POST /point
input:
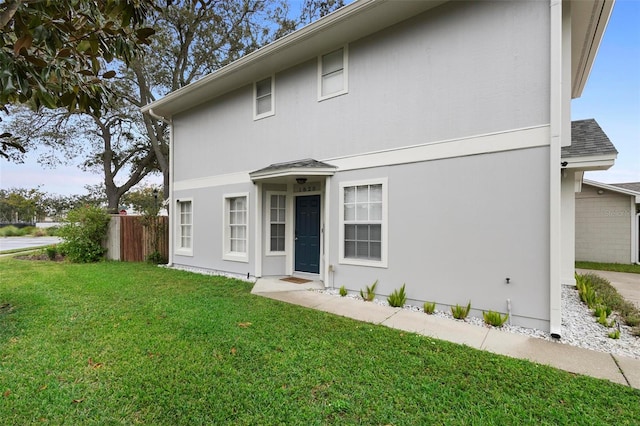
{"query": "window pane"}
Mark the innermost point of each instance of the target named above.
(362, 195)
(375, 211)
(349, 212)
(375, 232)
(362, 232)
(362, 212)
(263, 105)
(332, 62)
(350, 194)
(375, 250)
(350, 232)
(362, 249)
(349, 249)
(375, 193)
(263, 87)
(332, 83)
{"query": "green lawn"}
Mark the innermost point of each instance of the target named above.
(118, 343)
(615, 267)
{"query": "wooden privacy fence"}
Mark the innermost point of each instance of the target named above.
(135, 238)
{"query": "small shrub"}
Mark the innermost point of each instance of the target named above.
(615, 334)
(10, 231)
(398, 298)
(602, 319)
(156, 258)
(52, 231)
(429, 307)
(632, 320)
(51, 251)
(461, 312)
(83, 232)
(369, 293)
(343, 291)
(600, 310)
(39, 232)
(495, 318)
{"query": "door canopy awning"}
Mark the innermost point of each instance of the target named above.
(294, 169)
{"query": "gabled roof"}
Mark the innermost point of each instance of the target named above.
(306, 167)
(590, 147)
(631, 186)
(615, 188)
(355, 21)
(588, 139)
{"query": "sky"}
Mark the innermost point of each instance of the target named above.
(611, 97)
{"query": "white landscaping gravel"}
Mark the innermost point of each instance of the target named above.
(579, 326)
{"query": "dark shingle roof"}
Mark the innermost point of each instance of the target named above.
(632, 186)
(307, 163)
(587, 139)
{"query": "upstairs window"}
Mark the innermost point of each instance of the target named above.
(263, 98)
(332, 73)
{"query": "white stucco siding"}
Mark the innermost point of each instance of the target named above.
(460, 70)
(603, 226)
(458, 228)
(207, 240)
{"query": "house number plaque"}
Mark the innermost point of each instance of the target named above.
(307, 187)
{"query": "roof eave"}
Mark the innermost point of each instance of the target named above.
(599, 162)
(296, 171)
(589, 19)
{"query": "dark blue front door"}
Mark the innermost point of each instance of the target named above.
(307, 255)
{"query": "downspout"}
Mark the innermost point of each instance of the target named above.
(171, 208)
(556, 136)
(158, 117)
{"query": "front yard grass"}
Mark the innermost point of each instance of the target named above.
(125, 343)
(615, 267)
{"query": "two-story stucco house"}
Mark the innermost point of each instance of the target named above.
(413, 142)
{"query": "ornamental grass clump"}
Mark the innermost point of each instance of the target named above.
(398, 298)
(343, 291)
(429, 307)
(369, 293)
(461, 312)
(495, 318)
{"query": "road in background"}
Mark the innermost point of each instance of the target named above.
(13, 243)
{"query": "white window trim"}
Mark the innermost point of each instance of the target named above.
(383, 262)
(272, 111)
(179, 250)
(226, 253)
(345, 74)
(268, 251)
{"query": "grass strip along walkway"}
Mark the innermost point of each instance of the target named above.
(113, 343)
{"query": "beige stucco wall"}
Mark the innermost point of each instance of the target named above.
(603, 226)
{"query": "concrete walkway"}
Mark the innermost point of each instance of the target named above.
(628, 285)
(618, 369)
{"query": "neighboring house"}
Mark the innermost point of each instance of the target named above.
(607, 222)
(411, 142)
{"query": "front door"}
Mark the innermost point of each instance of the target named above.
(307, 236)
